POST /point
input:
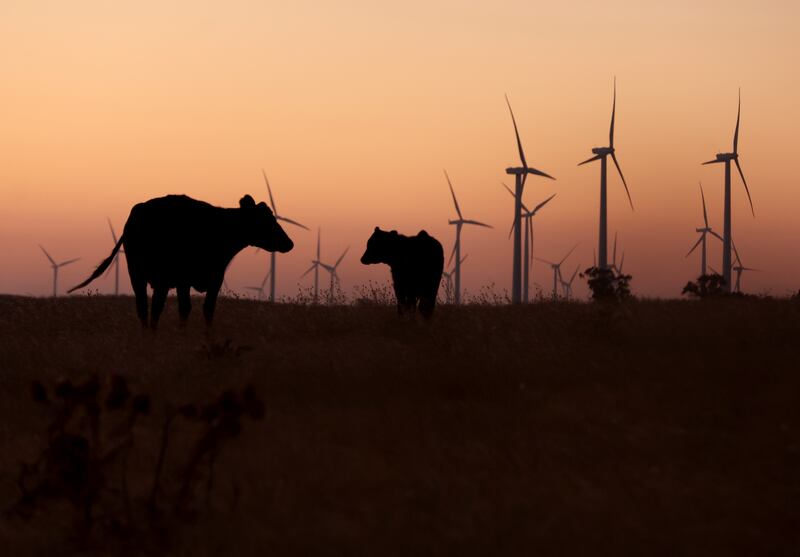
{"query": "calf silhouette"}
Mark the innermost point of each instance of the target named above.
(179, 242)
(416, 263)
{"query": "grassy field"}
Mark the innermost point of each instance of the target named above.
(653, 428)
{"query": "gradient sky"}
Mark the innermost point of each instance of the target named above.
(354, 108)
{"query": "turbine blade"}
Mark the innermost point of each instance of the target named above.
(524, 208)
(568, 254)
(269, 189)
(341, 257)
(717, 236)
(319, 232)
(294, 222)
(614, 256)
(705, 213)
(750, 199)
(510, 232)
(543, 260)
(516, 132)
(313, 265)
(572, 278)
(47, 255)
(694, 247)
(594, 158)
(477, 223)
(455, 201)
(542, 204)
(624, 183)
(613, 115)
(463, 259)
(621, 263)
(113, 234)
(453, 253)
(736, 133)
(531, 170)
(68, 262)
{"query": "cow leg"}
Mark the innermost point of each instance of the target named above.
(184, 303)
(209, 304)
(140, 291)
(159, 298)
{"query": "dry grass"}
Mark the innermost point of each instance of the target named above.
(658, 428)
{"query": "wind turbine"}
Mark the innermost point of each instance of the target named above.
(448, 280)
(701, 241)
(601, 154)
(56, 267)
(315, 264)
(566, 286)
(739, 269)
(116, 258)
(260, 289)
(556, 269)
(528, 248)
(334, 275)
(459, 222)
(520, 174)
(726, 231)
(273, 255)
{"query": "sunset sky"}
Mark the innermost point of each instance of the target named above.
(354, 108)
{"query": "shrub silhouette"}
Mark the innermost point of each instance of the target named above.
(707, 286)
(606, 285)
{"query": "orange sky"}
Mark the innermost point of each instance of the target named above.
(354, 108)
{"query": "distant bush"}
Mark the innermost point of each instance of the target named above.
(606, 285)
(707, 286)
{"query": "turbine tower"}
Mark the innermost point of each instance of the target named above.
(116, 258)
(260, 289)
(334, 275)
(520, 174)
(601, 154)
(273, 255)
(726, 230)
(702, 241)
(528, 247)
(459, 222)
(566, 286)
(315, 264)
(556, 269)
(56, 267)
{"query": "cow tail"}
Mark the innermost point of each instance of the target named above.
(101, 268)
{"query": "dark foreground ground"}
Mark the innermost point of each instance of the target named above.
(658, 428)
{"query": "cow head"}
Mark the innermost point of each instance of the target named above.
(261, 228)
(380, 247)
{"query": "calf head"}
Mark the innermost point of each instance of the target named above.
(261, 228)
(381, 247)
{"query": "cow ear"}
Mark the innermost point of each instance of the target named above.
(377, 229)
(393, 232)
(263, 205)
(247, 202)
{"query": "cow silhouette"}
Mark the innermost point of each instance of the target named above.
(182, 243)
(416, 263)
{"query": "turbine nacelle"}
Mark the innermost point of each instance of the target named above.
(603, 151)
(723, 157)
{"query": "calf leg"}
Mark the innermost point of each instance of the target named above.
(184, 303)
(426, 305)
(159, 298)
